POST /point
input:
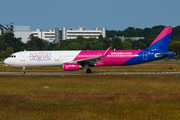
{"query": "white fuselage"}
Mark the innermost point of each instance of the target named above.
(40, 58)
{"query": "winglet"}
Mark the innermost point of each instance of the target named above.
(107, 51)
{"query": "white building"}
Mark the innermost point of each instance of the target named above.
(24, 32)
(45, 35)
(57, 34)
(81, 31)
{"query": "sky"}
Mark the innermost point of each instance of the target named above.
(112, 14)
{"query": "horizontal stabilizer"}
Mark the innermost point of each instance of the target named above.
(162, 54)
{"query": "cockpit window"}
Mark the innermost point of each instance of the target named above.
(12, 56)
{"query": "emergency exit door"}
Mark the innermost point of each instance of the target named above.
(145, 56)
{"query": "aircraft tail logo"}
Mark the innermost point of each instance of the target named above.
(162, 40)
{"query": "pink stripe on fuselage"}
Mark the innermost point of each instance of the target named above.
(165, 32)
(114, 57)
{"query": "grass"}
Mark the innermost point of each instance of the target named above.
(100, 97)
(105, 97)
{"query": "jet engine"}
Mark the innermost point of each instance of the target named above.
(72, 66)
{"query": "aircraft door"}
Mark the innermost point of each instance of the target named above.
(56, 57)
(145, 57)
(22, 56)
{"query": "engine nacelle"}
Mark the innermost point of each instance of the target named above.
(72, 66)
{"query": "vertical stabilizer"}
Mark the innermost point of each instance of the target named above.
(162, 40)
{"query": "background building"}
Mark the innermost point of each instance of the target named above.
(81, 31)
(24, 32)
(132, 38)
(53, 35)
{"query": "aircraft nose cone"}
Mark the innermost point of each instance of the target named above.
(6, 61)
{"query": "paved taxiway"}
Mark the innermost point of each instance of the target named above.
(93, 73)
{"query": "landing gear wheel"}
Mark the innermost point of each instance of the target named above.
(88, 71)
(23, 72)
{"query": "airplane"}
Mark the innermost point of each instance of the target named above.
(79, 59)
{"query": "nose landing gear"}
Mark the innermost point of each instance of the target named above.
(23, 70)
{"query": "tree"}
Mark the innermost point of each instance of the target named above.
(51, 46)
(175, 33)
(74, 46)
(87, 45)
(3, 43)
(100, 37)
(111, 33)
(3, 54)
(106, 43)
(129, 32)
(126, 45)
(175, 47)
(129, 41)
(64, 44)
(14, 42)
(141, 45)
(80, 39)
(97, 45)
(134, 45)
(117, 44)
(41, 44)
(31, 44)
(9, 51)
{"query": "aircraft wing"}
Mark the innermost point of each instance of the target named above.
(162, 54)
(92, 61)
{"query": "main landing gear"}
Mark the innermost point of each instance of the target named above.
(23, 70)
(88, 70)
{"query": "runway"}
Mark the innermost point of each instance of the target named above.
(93, 73)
